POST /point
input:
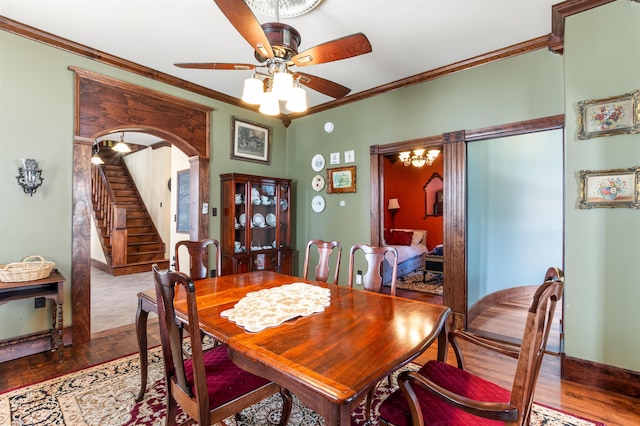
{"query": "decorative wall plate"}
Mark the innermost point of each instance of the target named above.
(317, 203)
(317, 183)
(317, 162)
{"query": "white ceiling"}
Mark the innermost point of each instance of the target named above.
(408, 37)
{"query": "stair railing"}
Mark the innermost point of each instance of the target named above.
(114, 216)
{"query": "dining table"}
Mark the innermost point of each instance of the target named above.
(328, 359)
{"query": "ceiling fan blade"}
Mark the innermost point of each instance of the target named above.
(245, 22)
(335, 50)
(322, 85)
(215, 66)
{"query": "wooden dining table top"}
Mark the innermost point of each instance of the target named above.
(329, 360)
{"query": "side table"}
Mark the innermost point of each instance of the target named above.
(432, 263)
(52, 288)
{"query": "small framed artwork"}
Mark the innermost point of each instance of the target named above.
(610, 188)
(182, 201)
(341, 179)
(334, 158)
(250, 141)
(609, 116)
(350, 156)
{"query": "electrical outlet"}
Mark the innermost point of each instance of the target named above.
(213, 273)
(40, 302)
(359, 278)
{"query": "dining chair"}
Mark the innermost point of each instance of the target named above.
(325, 249)
(208, 386)
(372, 281)
(198, 254)
(374, 256)
(198, 251)
(440, 393)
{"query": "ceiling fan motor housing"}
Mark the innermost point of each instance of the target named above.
(284, 40)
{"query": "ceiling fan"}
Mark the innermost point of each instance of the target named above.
(276, 49)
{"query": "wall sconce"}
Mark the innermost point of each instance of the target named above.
(393, 208)
(418, 159)
(29, 176)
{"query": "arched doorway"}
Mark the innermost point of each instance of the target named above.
(105, 105)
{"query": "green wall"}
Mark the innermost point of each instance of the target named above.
(602, 265)
(520, 88)
(601, 246)
(36, 121)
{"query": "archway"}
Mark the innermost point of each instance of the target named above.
(105, 105)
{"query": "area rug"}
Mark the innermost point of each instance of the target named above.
(103, 395)
(413, 281)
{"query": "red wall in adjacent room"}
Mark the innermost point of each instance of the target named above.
(405, 184)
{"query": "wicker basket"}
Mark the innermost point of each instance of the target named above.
(31, 268)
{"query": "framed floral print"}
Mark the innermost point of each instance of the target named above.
(610, 188)
(341, 179)
(609, 116)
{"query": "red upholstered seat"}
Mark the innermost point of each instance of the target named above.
(395, 409)
(441, 394)
(225, 381)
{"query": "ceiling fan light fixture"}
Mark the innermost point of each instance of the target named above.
(269, 105)
(253, 91)
(282, 85)
(297, 100)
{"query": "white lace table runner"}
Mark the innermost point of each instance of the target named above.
(270, 307)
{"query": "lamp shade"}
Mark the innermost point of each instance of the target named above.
(282, 85)
(269, 105)
(297, 100)
(252, 92)
(393, 204)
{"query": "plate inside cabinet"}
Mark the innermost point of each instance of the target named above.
(317, 183)
(317, 203)
(317, 162)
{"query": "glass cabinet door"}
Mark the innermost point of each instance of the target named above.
(263, 217)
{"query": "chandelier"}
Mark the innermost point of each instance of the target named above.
(278, 86)
(418, 159)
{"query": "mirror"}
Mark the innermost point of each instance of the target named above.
(433, 196)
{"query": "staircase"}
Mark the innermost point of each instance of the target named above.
(129, 239)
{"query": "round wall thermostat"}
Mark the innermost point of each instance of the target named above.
(328, 127)
(317, 203)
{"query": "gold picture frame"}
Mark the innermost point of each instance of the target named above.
(609, 116)
(610, 188)
(341, 180)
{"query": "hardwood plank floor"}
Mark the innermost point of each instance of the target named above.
(608, 407)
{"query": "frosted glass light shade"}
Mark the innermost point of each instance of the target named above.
(297, 100)
(269, 105)
(121, 147)
(252, 92)
(282, 85)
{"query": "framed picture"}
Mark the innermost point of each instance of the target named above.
(341, 179)
(610, 188)
(609, 116)
(250, 141)
(182, 201)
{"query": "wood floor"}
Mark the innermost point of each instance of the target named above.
(611, 408)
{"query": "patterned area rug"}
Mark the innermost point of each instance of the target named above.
(103, 395)
(413, 281)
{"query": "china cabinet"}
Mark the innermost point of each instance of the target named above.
(255, 224)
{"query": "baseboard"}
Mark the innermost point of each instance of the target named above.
(601, 376)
